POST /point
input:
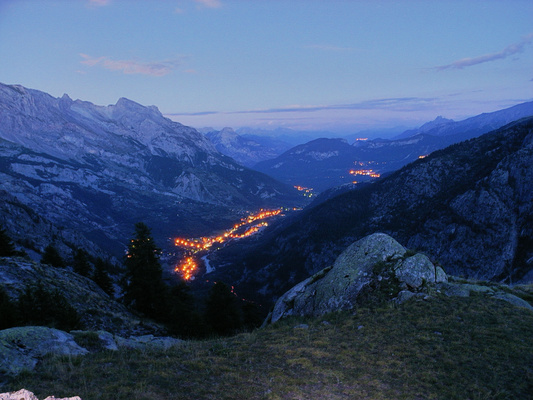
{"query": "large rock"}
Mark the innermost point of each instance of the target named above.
(22, 347)
(24, 394)
(370, 260)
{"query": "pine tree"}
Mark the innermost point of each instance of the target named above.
(8, 311)
(101, 277)
(145, 290)
(6, 245)
(223, 313)
(52, 257)
(183, 318)
(81, 262)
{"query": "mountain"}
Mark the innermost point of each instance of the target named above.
(291, 136)
(299, 166)
(435, 127)
(247, 150)
(469, 207)
(474, 126)
(318, 164)
(326, 163)
(98, 170)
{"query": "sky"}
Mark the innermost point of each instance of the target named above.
(340, 66)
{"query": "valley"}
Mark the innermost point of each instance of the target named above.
(197, 249)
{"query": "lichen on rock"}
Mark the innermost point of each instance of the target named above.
(22, 347)
(373, 259)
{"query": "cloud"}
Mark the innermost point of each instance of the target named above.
(510, 50)
(391, 104)
(159, 68)
(209, 3)
(394, 104)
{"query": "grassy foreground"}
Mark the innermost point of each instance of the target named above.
(442, 348)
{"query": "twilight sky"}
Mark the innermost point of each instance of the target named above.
(331, 65)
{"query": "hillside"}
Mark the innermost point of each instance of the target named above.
(97, 170)
(439, 348)
(469, 207)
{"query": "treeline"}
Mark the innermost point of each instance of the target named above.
(143, 290)
(38, 306)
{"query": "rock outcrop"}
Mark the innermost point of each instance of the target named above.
(377, 269)
(376, 260)
(24, 394)
(22, 347)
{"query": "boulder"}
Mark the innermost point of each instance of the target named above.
(416, 270)
(362, 265)
(22, 347)
(24, 394)
(514, 300)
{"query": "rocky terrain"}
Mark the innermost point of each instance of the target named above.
(24, 394)
(97, 310)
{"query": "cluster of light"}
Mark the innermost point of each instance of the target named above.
(308, 192)
(361, 139)
(423, 156)
(187, 268)
(367, 172)
(248, 232)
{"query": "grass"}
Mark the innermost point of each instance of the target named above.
(442, 348)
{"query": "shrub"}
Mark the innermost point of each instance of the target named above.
(52, 257)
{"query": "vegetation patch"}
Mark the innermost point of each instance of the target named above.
(442, 348)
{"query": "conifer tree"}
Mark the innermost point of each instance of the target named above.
(223, 312)
(144, 290)
(6, 245)
(81, 262)
(52, 257)
(8, 311)
(101, 277)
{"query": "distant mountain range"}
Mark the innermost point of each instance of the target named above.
(248, 150)
(95, 171)
(325, 163)
(469, 207)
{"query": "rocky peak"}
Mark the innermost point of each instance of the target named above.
(439, 121)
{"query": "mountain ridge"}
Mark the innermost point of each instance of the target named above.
(101, 169)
